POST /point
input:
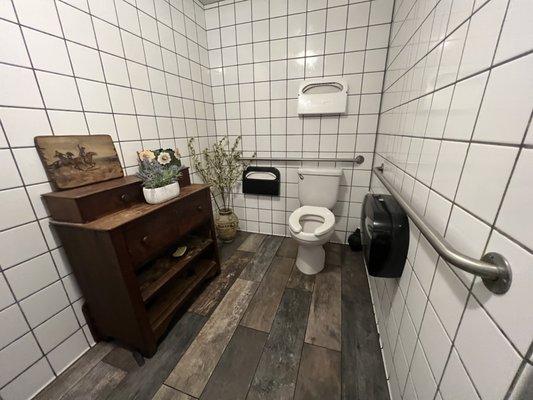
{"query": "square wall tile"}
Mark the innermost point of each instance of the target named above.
(13, 50)
(16, 208)
(480, 342)
(518, 197)
(506, 107)
(45, 303)
(41, 15)
(517, 35)
(448, 296)
(449, 167)
(464, 108)
(491, 167)
(20, 244)
(456, 383)
(515, 324)
(32, 275)
(18, 356)
(59, 91)
(30, 382)
(58, 328)
(47, 52)
(13, 325)
(67, 352)
(480, 41)
(18, 87)
(21, 125)
(435, 341)
(423, 380)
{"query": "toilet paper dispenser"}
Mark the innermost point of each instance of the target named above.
(384, 235)
(261, 180)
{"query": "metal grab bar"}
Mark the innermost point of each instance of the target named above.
(358, 160)
(493, 268)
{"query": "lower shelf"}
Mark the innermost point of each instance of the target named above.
(172, 296)
(153, 277)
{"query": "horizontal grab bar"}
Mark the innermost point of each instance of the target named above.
(493, 268)
(357, 160)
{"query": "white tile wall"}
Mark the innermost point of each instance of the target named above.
(260, 52)
(451, 88)
(137, 70)
(456, 109)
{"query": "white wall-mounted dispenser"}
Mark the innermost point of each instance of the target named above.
(322, 96)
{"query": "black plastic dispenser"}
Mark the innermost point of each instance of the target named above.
(385, 235)
(261, 180)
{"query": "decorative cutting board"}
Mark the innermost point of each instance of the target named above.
(77, 160)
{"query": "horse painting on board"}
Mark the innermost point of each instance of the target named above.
(78, 160)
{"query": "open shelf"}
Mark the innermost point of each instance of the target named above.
(155, 275)
(168, 299)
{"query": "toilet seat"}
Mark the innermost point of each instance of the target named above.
(327, 225)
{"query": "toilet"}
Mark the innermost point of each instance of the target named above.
(313, 223)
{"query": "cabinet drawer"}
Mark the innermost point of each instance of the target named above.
(193, 211)
(151, 234)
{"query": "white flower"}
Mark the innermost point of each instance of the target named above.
(177, 153)
(163, 158)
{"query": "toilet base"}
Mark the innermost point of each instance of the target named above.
(310, 259)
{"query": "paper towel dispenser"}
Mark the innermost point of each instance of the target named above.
(322, 96)
(385, 235)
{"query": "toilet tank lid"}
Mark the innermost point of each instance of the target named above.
(320, 171)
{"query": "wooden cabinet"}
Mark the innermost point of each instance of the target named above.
(122, 259)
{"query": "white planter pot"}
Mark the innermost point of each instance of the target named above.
(161, 194)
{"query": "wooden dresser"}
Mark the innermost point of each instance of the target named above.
(120, 249)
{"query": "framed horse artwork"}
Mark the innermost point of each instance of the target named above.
(78, 160)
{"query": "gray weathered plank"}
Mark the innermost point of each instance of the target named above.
(276, 373)
(319, 376)
(334, 253)
(262, 308)
(233, 375)
(195, 367)
(206, 301)
(144, 382)
(96, 384)
(324, 326)
(299, 280)
(75, 372)
(226, 250)
(252, 242)
(255, 270)
(363, 374)
(168, 393)
(289, 248)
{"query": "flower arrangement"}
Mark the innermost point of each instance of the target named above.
(158, 168)
(221, 167)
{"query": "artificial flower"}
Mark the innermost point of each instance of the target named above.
(177, 153)
(147, 155)
(163, 158)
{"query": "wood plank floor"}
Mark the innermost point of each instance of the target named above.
(259, 330)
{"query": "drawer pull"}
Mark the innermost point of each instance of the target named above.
(200, 208)
(124, 197)
(144, 239)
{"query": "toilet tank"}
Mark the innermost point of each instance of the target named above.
(318, 187)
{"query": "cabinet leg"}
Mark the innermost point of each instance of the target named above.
(139, 359)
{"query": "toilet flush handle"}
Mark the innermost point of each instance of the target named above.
(300, 176)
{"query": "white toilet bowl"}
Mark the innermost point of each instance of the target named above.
(311, 227)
